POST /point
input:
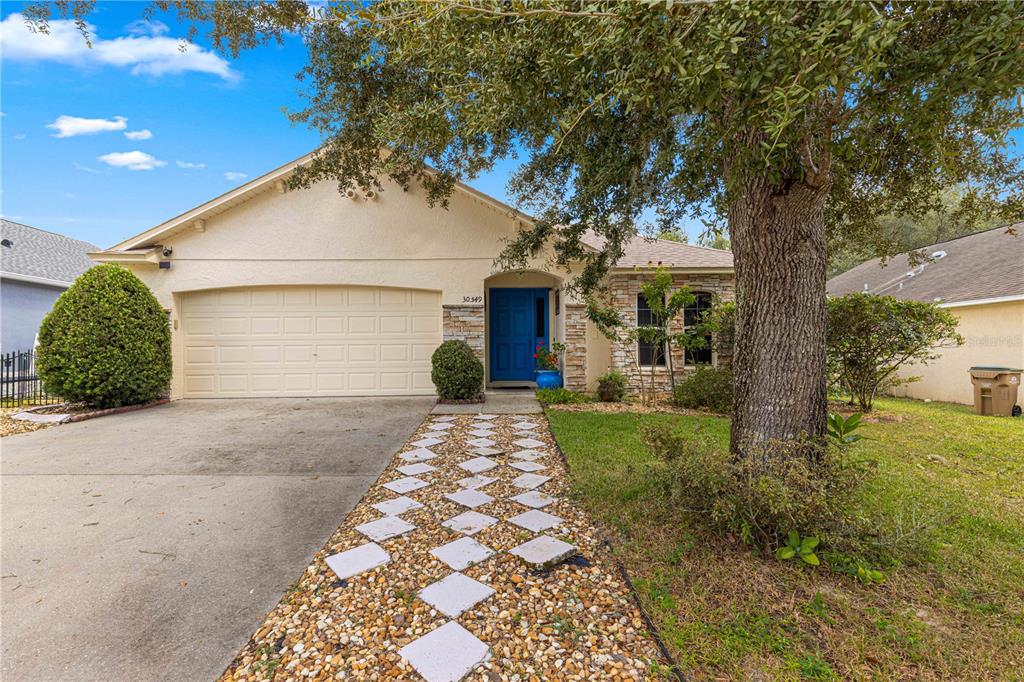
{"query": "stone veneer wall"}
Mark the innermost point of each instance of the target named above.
(624, 289)
(574, 365)
(465, 323)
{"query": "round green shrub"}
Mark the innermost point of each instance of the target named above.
(456, 371)
(106, 342)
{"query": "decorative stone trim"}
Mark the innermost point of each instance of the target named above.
(465, 323)
(574, 368)
(624, 289)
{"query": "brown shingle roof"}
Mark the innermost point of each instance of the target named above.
(643, 252)
(988, 264)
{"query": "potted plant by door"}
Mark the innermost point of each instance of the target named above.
(547, 374)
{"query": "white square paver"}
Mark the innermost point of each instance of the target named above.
(396, 506)
(469, 523)
(359, 560)
(526, 426)
(486, 417)
(470, 497)
(446, 654)
(454, 594)
(427, 442)
(446, 418)
(475, 481)
(477, 464)
(529, 443)
(416, 469)
(526, 465)
(543, 551)
(387, 527)
(487, 452)
(535, 520)
(530, 481)
(482, 433)
(462, 553)
(442, 426)
(481, 442)
(405, 485)
(418, 455)
(534, 499)
(527, 454)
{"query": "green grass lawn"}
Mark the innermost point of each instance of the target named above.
(952, 609)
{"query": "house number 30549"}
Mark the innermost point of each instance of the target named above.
(472, 299)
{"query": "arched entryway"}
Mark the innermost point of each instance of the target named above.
(522, 310)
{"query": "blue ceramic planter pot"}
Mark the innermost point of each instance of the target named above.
(549, 378)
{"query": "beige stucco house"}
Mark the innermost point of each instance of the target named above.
(275, 292)
(979, 278)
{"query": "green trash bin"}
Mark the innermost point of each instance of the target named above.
(995, 390)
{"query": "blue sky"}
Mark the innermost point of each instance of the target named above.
(213, 123)
(104, 143)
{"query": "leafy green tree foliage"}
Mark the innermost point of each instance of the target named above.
(106, 342)
(871, 337)
(789, 121)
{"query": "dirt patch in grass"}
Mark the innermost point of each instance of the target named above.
(955, 611)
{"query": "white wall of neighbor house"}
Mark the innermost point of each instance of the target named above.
(993, 334)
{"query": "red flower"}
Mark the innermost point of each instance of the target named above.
(534, 355)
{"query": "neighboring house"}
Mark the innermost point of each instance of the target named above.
(980, 278)
(274, 292)
(35, 267)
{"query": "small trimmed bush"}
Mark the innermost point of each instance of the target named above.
(456, 371)
(611, 386)
(708, 388)
(560, 396)
(107, 341)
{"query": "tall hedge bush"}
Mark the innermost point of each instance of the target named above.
(456, 371)
(106, 342)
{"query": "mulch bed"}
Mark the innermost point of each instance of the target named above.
(576, 621)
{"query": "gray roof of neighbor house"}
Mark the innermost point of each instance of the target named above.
(41, 255)
(645, 253)
(985, 265)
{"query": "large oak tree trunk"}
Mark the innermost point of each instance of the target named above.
(778, 240)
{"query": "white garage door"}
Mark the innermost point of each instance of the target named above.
(309, 341)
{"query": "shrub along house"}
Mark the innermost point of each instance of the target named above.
(980, 279)
(278, 292)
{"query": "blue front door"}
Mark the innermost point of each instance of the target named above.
(518, 322)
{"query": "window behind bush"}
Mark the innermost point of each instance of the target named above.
(648, 353)
(692, 315)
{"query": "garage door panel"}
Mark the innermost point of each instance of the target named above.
(307, 341)
(233, 326)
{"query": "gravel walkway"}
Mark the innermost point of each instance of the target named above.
(454, 566)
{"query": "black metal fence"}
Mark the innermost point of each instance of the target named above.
(19, 385)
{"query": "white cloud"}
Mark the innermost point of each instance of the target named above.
(86, 169)
(141, 27)
(235, 176)
(143, 134)
(134, 160)
(20, 136)
(69, 126)
(188, 165)
(151, 54)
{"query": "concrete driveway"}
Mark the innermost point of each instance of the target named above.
(149, 545)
